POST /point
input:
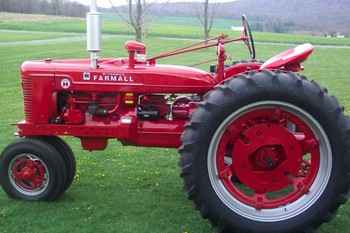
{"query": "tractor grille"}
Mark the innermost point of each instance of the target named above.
(27, 86)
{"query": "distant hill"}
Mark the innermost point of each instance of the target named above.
(318, 16)
(47, 7)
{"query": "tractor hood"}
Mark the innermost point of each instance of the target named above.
(115, 75)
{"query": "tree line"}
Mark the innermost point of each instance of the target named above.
(49, 7)
(136, 17)
(139, 10)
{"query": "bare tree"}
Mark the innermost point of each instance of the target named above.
(137, 10)
(57, 6)
(206, 17)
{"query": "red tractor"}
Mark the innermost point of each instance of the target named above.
(262, 148)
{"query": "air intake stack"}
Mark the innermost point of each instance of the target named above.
(93, 30)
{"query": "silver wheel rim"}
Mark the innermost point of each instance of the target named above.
(21, 189)
(292, 209)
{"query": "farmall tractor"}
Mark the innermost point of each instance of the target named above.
(262, 148)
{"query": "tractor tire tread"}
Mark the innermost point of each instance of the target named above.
(241, 86)
(68, 157)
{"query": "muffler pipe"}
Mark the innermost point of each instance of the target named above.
(93, 33)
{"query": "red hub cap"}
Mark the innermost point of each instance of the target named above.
(268, 158)
(28, 173)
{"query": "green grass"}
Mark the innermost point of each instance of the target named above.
(9, 36)
(130, 189)
(180, 20)
(184, 27)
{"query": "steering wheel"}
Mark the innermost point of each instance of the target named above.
(249, 41)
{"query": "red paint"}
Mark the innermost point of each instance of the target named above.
(67, 97)
(183, 107)
(73, 115)
(290, 58)
(268, 157)
(220, 70)
(135, 46)
(241, 68)
(94, 143)
(28, 174)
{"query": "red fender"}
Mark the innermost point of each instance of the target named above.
(241, 67)
(289, 59)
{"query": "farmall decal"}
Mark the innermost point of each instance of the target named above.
(108, 77)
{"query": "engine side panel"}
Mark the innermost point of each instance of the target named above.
(114, 101)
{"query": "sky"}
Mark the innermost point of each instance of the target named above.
(105, 3)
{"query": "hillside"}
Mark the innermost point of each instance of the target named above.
(319, 16)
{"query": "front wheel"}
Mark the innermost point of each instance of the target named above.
(33, 170)
(68, 157)
(267, 152)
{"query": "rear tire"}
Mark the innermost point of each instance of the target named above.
(244, 94)
(32, 170)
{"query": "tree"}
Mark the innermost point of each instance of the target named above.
(137, 10)
(57, 6)
(206, 17)
(4, 5)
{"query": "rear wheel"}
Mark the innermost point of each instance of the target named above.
(31, 169)
(267, 152)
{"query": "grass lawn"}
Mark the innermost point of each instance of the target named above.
(129, 189)
(159, 26)
(9, 35)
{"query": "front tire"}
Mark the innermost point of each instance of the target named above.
(267, 152)
(32, 170)
(68, 157)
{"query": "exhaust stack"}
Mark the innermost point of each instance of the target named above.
(93, 30)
